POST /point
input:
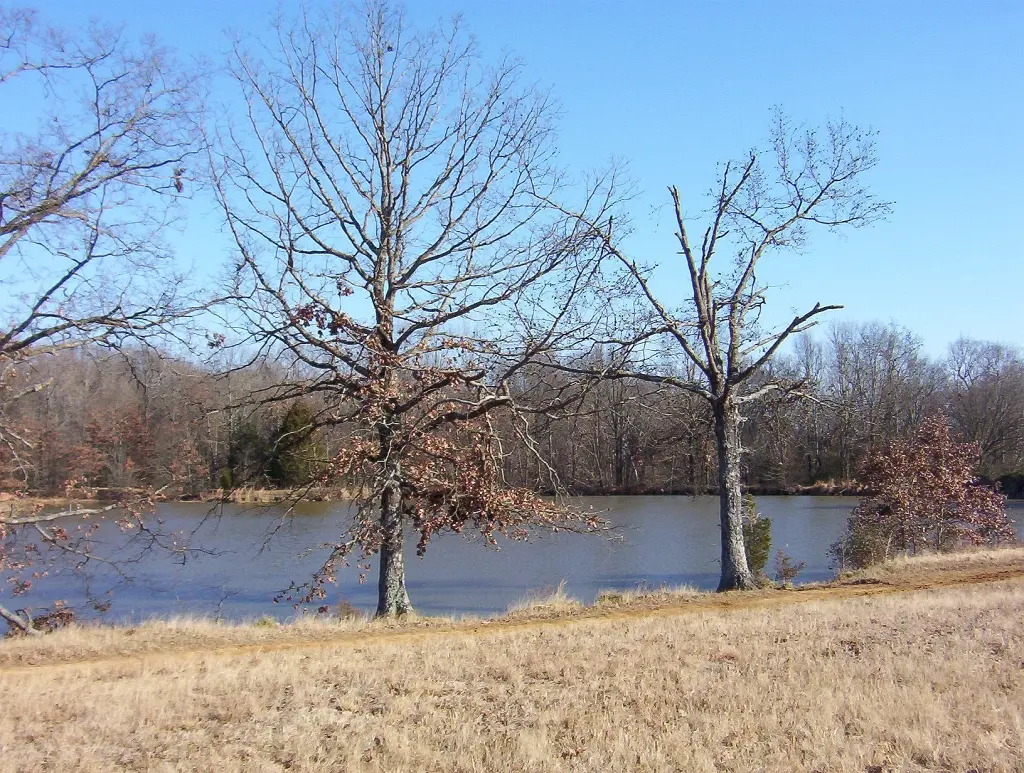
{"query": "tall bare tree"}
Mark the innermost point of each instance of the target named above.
(768, 201)
(95, 148)
(986, 401)
(880, 384)
(387, 196)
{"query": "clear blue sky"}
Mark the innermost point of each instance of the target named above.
(674, 87)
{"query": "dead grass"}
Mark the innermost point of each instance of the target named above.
(544, 603)
(196, 635)
(264, 496)
(191, 635)
(661, 594)
(912, 569)
(242, 495)
(928, 680)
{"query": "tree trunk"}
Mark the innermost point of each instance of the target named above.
(736, 574)
(392, 596)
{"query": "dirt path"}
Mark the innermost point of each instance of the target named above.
(918, 580)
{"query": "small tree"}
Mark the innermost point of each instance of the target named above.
(757, 536)
(785, 569)
(251, 456)
(925, 495)
(293, 461)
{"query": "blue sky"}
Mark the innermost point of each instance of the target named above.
(674, 87)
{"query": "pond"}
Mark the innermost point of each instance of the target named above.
(670, 540)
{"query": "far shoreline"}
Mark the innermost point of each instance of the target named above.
(258, 496)
(267, 496)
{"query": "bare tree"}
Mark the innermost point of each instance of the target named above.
(880, 384)
(387, 195)
(97, 139)
(86, 191)
(986, 401)
(766, 202)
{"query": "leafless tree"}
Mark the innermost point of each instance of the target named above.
(880, 384)
(768, 201)
(97, 139)
(387, 194)
(88, 177)
(986, 401)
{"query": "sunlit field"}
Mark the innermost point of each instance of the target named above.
(926, 679)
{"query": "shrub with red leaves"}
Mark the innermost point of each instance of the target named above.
(924, 495)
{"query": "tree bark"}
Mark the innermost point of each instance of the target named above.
(392, 596)
(736, 574)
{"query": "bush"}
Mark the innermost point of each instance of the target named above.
(785, 570)
(757, 536)
(925, 495)
(294, 458)
(864, 544)
(346, 610)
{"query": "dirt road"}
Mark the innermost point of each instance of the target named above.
(114, 647)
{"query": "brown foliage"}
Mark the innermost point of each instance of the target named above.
(451, 478)
(925, 495)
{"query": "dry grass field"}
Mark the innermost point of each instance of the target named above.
(915, 666)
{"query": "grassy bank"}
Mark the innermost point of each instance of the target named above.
(914, 666)
(245, 495)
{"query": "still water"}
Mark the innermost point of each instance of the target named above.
(255, 553)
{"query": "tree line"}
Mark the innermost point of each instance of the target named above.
(138, 418)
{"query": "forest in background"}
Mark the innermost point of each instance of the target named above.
(134, 418)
